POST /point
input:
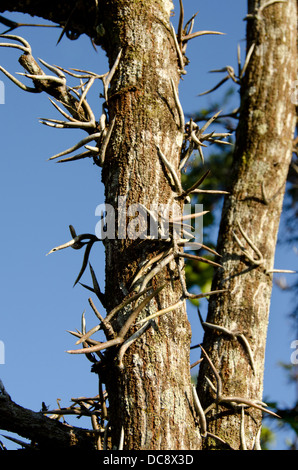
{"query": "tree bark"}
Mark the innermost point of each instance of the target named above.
(150, 397)
(149, 389)
(261, 162)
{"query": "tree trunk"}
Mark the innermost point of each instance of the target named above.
(150, 395)
(261, 163)
(149, 387)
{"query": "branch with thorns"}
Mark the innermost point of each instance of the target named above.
(232, 334)
(119, 339)
(77, 242)
(222, 399)
(78, 114)
(259, 261)
(231, 72)
(195, 137)
(185, 34)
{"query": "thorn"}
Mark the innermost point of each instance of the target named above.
(104, 145)
(60, 81)
(180, 26)
(54, 69)
(254, 261)
(133, 316)
(248, 57)
(84, 94)
(216, 86)
(287, 271)
(108, 78)
(200, 411)
(129, 342)
(179, 107)
(64, 114)
(85, 260)
(178, 50)
(82, 142)
(162, 312)
(80, 156)
(97, 347)
(25, 47)
(126, 302)
(200, 33)
(172, 171)
(67, 23)
(18, 83)
(195, 185)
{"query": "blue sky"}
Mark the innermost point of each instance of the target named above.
(40, 199)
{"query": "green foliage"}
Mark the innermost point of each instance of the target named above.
(267, 438)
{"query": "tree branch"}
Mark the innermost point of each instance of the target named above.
(46, 432)
(79, 17)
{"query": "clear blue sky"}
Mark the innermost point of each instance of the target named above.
(39, 199)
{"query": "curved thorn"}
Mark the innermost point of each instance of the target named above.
(162, 312)
(125, 302)
(249, 54)
(60, 81)
(52, 68)
(105, 142)
(80, 156)
(173, 173)
(88, 86)
(95, 150)
(216, 374)
(78, 145)
(18, 83)
(216, 86)
(66, 125)
(133, 316)
(200, 33)
(200, 411)
(108, 78)
(179, 107)
(177, 47)
(26, 48)
(85, 261)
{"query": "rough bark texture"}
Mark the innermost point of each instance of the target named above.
(262, 157)
(151, 396)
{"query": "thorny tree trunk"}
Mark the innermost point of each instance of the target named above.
(150, 396)
(261, 160)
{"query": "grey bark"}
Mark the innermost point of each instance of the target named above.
(261, 164)
(151, 396)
